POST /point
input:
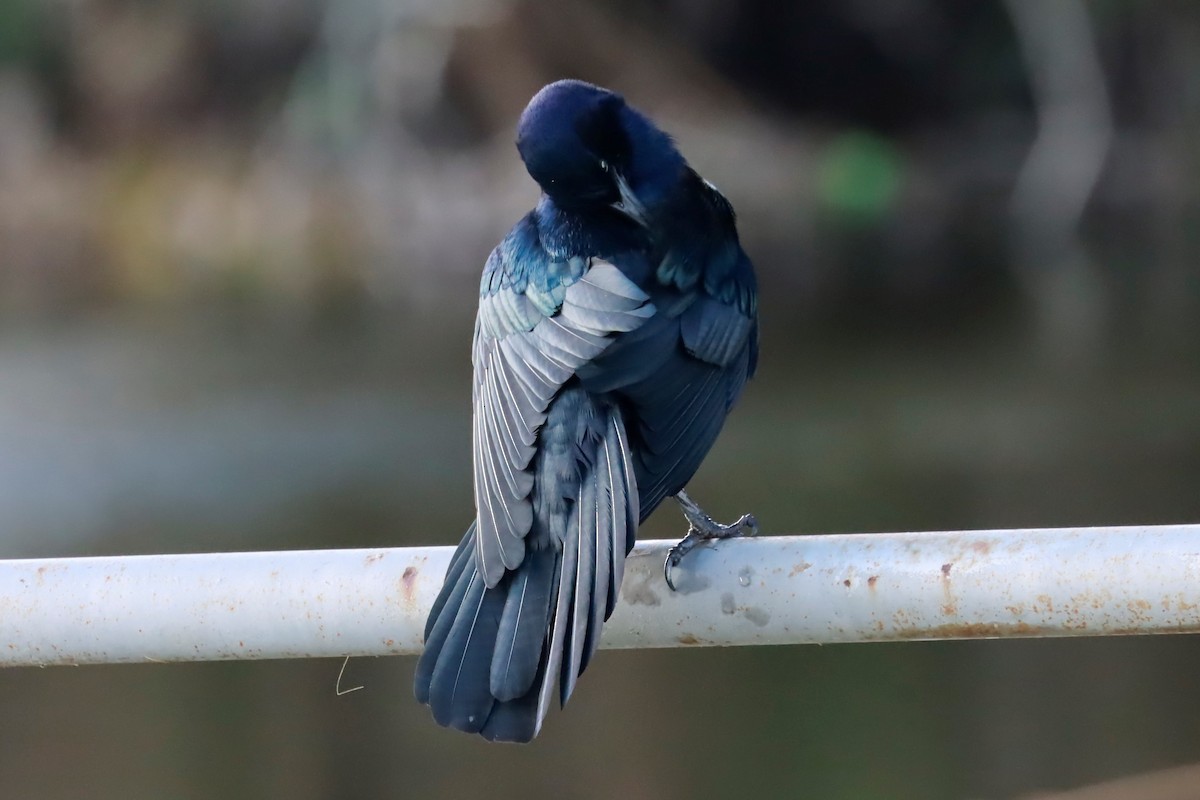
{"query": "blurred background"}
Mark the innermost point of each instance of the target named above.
(239, 253)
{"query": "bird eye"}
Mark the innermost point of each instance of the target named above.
(604, 165)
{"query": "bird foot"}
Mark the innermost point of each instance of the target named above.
(703, 528)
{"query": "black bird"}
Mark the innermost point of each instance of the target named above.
(617, 325)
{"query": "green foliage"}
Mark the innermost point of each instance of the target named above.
(860, 176)
(21, 24)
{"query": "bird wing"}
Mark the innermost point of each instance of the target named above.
(539, 321)
(683, 370)
(682, 407)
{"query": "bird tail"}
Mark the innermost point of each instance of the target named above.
(494, 655)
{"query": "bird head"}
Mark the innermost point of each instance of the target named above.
(587, 149)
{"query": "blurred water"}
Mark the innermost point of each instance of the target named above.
(229, 429)
(160, 434)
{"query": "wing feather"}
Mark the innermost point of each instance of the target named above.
(715, 332)
(522, 360)
(585, 531)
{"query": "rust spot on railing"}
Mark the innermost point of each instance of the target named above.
(972, 630)
(408, 586)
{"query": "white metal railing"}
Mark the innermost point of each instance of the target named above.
(769, 590)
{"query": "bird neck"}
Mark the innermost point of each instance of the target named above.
(567, 231)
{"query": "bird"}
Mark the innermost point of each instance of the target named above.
(617, 325)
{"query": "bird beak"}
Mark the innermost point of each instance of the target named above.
(629, 205)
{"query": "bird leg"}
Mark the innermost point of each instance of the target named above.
(703, 528)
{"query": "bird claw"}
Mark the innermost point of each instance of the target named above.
(702, 528)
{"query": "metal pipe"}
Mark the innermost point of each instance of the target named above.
(777, 590)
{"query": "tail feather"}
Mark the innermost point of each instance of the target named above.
(494, 657)
(437, 629)
(523, 626)
(584, 529)
(558, 629)
(602, 543)
(630, 502)
(516, 720)
(616, 515)
(458, 563)
(458, 690)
